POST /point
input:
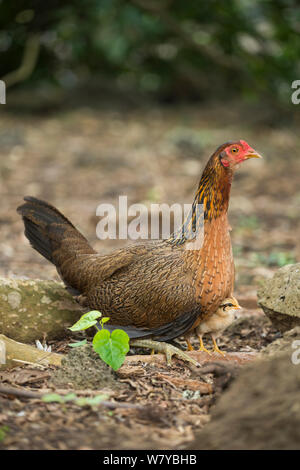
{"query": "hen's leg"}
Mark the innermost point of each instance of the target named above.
(168, 349)
(202, 347)
(216, 347)
(188, 342)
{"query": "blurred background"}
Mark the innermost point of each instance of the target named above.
(164, 49)
(112, 97)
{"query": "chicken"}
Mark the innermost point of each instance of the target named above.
(159, 290)
(218, 322)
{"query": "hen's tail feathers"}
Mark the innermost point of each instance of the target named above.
(52, 234)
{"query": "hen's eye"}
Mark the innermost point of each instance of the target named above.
(234, 150)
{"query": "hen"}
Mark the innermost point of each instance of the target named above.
(156, 290)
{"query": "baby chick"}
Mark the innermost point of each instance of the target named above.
(217, 323)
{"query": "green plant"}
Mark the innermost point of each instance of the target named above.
(111, 347)
(3, 432)
(78, 343)
(275, 258)
(169, 49)
(72, 397)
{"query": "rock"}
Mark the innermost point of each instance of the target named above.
(279, 297)
(35, 309)
(260, 410)
(282, 345)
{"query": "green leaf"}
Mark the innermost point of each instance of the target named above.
(56, 398)
(86, 321)
(52, 397)
(79, 401)
(3, 432)
(69, 397)
(112, 348)
(79, 343)
(91, 401)
(82, 401)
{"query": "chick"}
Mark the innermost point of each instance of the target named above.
(217, 323)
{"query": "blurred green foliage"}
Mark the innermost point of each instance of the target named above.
(275, 258)
(3, 432)
(166, 48)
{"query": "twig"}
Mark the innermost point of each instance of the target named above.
(19, 353)
(18, 392)
(29, 60)
(199, 356)
(34, 364)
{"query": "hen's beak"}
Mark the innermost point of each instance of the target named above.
(238, 307)
(252, 154)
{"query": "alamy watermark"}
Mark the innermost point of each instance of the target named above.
(157, 222)
(296, 94)
(2, 92)
(296, 354)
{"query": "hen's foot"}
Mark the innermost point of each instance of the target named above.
(168, 349)
(189, 346)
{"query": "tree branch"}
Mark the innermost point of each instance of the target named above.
(29, 60)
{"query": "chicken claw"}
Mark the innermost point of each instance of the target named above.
(168, 349)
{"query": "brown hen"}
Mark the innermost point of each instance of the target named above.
(159, 290)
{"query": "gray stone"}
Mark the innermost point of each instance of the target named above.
(279, 297)
(35, 309)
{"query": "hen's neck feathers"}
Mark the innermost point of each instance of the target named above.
(211, 200)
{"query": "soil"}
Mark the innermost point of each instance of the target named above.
(172, 406)
(82, 369)
(81, 157)
(261, 409)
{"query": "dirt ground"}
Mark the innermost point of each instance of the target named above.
(264, 406)
(81, 157)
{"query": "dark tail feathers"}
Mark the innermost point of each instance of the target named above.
(47, 229)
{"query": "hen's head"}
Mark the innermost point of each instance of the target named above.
(233, 153)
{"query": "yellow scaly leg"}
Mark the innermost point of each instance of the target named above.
(189, 346)
(216, 347)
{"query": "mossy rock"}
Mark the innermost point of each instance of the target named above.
(279, 297)
(35, 309)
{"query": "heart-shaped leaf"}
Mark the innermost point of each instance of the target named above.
(112, 348)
